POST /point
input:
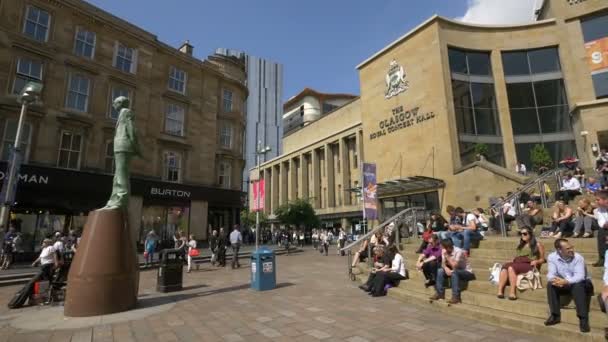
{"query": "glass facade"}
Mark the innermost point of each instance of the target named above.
(475, 105)
(538, 103)
(595, 34)
(393, 205)
(165, 221)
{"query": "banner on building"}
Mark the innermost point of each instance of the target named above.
(370, 200)
(258, 196)
(597, 54)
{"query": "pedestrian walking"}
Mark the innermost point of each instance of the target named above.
(341, 241)
(315, 239)
(301, 238)
(221, 248)
(236, 239)
(192, 251)
(325, 242)
(213, 247)
(150, 248)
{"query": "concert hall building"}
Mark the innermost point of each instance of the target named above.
(446, 89)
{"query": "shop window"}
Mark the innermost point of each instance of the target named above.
(125, 58)
(37, 23)
(115, 92)
(177, 80)
(224, 172)
(226, 136)
(172, 167)
(227, 100)
(174, 119)
(28, 70)
(10, 132)
(165, 222)
(78, 92)
(109, 157)
(69, 150)
(84, 43)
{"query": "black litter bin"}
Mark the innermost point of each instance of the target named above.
(170, 271)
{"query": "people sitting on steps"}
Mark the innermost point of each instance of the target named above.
(601, 216)
(383, 262)
(508, 213)
(570, 188)
(454, 265)
(561, 225)
(391, 274)
(567, 275)
(429, 260)
(584, 218)
(463, 234)
(529, 255)
(531, 217)
(592, 186)
(361, 254)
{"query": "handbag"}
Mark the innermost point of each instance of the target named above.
(495, 273)
(194, 252)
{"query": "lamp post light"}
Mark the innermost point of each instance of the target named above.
(260, 151)
(30, 94)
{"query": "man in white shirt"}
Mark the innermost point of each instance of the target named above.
(601, 216)
(571, 188)
(47, 259)
(463, 234)
(454, 264)
(58, 245)
(235, 242)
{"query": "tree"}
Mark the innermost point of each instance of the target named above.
(540, 157)
(481, 149)
(248, 218)
(297, 213)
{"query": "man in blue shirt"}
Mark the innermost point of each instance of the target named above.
(567, 275)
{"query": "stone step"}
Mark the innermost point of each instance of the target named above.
(523, 323)
(588, 245)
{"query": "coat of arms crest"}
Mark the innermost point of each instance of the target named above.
(395, 80)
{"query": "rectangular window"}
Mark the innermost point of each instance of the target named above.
(531, 62)
(177, 80)
(84, 44)
(125, 58)
(174, 119)
(173, 167)
(37, 24)
(78, 93)
(27, 71)
(226, 136)
(114, 93)
(10, 132)
(109, 157)
(69, 150)
(227, 100)
(224, 174)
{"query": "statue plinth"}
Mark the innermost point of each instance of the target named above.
(104, 275)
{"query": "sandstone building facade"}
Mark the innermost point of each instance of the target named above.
(189, 116)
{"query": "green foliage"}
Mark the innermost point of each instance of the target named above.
(481, 149)
(248, 218)
(540, 157)
(297, 213)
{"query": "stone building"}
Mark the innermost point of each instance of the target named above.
(189, 116)
(431, 98)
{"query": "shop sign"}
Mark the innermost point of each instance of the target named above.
(597, 54)
(170, 192)
(395, 80)
(400, 119)
(27, 178)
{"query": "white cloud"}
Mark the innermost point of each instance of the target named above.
(500, 12)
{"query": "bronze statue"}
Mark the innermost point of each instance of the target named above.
(125, 148)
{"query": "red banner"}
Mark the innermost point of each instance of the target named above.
(597, 54)
(258, 196)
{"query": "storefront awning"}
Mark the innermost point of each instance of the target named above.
(405, 185)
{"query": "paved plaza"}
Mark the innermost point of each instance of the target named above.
(314, 301)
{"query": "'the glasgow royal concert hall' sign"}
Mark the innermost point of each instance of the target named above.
(400, 119)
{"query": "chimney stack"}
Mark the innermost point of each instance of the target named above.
(186, 48)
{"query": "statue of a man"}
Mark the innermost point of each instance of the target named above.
(125, 148)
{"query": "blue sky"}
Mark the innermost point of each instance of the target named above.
(319, 42)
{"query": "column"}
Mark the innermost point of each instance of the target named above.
(504, 113)
(275, 187)
(345, 170)
(134, 216)
(329, 172)
(198, 219)
(359, 147)
(292, 176)
(316, 179)
(283, 170)
(303, 176)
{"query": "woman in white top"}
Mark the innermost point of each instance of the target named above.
(191, 247)
(47, 259)
(390, 275)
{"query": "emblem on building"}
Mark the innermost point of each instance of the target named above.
(395, 80)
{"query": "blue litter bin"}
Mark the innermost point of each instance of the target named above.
(263, 270)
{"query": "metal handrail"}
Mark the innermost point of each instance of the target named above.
(384, 224)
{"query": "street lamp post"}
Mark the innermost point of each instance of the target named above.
(260, 151)
(30, 93)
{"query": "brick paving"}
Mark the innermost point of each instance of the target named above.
(314, 301)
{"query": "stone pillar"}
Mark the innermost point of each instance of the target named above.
(316, 179)
(198, 219)
(283, 183)
(303, 177)
(331, 177)
(275, 188)
(344, 169)
(504, 117)
(135, 210)
(292, 176)
(359, 147)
